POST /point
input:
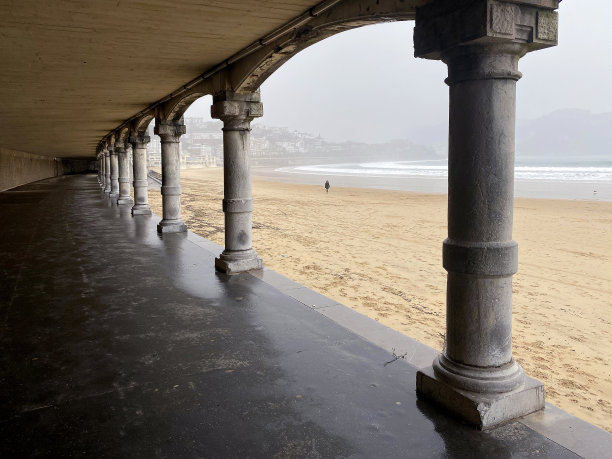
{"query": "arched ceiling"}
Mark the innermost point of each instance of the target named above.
(72, 70)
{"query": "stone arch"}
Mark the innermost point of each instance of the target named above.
(174, 109)
(247, 74)
(250, 67)
(122, 135)
(140, 125)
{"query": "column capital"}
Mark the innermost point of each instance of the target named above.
(446, 24)
(111, 150)
(119, 147)
(139, 140)
(236, 110)
(170, 131)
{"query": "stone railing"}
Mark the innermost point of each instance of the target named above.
(155, 176)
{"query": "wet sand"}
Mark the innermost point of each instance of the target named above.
(380, 252)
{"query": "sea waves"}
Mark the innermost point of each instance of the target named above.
(439, 169)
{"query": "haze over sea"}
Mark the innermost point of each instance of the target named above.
(570, 179)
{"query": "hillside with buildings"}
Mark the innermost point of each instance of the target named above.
(561, 136)
(202, 146)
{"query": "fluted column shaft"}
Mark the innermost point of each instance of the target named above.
(141, 191)
(170, 133)
(107, 171)
(237, 111)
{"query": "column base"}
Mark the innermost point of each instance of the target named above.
(238, 261)
(171, 226)
(125, 200)
(141, 209)
(482, 410)
(114, 195)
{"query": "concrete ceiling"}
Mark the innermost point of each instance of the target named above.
(70, 71)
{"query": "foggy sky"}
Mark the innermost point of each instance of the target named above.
(366, 85)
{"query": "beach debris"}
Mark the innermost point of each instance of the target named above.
(396, 357)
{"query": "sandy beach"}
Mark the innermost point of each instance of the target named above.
(380, 252)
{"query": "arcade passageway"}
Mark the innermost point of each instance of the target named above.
(116, 340)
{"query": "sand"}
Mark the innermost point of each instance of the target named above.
(380, 252)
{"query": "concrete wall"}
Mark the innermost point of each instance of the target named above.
(78, 166)
(18, 168)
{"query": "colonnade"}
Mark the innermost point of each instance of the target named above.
(481, 42)
(236, 111)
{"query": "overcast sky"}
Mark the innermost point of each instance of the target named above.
(365, 84)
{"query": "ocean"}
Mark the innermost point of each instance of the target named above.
(590, 180)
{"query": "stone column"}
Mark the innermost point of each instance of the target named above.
(107, 171)
(100, 159)
(139, 143)
(124, 174)
(114, 165)
(170, 133)
(481, 44)
(237, 111)
(102, 170)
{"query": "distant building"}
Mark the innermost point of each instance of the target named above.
(202, 146)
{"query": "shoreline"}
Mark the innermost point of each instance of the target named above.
(536, 189)
(380, 253)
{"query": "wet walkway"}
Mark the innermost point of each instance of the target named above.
(115, 342)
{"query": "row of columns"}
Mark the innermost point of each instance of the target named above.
(114, 174)
(481, 42)
(236, 111)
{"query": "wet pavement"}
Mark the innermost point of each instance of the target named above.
(116, 342)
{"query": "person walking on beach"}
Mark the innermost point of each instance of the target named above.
(327, 186)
